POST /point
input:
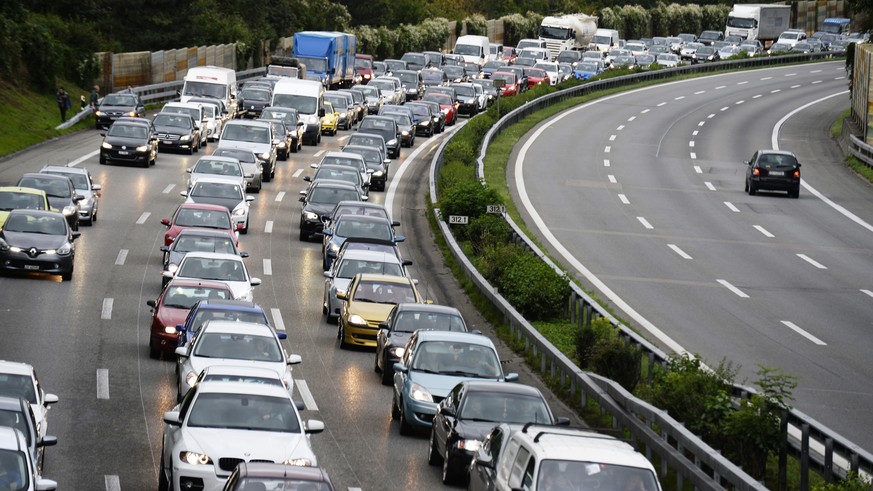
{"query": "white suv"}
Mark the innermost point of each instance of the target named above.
(253, 135)
(542, 458)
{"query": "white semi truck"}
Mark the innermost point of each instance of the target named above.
(571, 31)
(761, 21)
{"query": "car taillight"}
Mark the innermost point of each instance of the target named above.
(756, 172)
(797, 174)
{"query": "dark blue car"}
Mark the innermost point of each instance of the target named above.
(232, 310)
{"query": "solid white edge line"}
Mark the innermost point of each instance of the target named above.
(763, 231)
(677, 250)
(812, 261)
(402, 166)
(355, 489)
(306, 395)
(142, 218)
(268, 227)
(794, 327)
(102, 383)
(112, 482)
(106, 310)
(268, 267)
(645, 223)
(278, 323)
(280, 196)
(732, 288)
(867, 292)
(122, 255)
(83, 158)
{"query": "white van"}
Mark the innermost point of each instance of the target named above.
(474, 49)
(211, 81)
(307, 97)
(195, 110)
(530, 43)
(604, 40)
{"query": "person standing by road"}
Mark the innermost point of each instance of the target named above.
(95, 95)
(129, 90)
(64, 102)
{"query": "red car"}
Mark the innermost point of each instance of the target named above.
(171, 309)
(364, 67)
(447, 105)
(536, 76)
(198, 215)
(510, 83)
(510, 54)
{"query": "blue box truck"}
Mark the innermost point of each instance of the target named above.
(328, 54)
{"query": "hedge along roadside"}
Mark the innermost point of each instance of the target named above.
(839, 453)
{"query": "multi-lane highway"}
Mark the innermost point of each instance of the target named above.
(651, 212)
(88, 338)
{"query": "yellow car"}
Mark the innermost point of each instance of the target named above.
(13, 197)
(330, 120)
(367, 302)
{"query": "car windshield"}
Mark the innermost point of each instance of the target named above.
(212, 269)
(128, 131)
(354, 209)
(16, 385)
(337, 101)
(362, 63)
(368, 91)
(52, 187)
(217, 167)
(645, 59)
(367, 141)
(282, 483)
(384, 292)
(237, 346)
(408, 77)
(432, 76)
(80, 181)
(505, 78)
(203, 243)
(119, 100)
(348, 268)
(374, 123)
(285, 116)
(13, 200)
(774, 160)
(371, 156)
(216, 190)
(244, 412)
(15, 419)
(254, 95)
(246, 133)
(503, 407)
(184, 297)
(36, 224)
(411, 321)
(586, 67)
(383, 85)
(559, 474)
(303, 103)
(189, 217)
(464, 90)
(457, 358)
(205, 315)
(468, 50)
(318, 65)
(172, 120)
(13, 465)
(364, 229)
(350, 175)
(334, 160)
(402, 119)
(243, 156)
(330, 195)
(453, 71)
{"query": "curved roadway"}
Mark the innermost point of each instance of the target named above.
(651, 212)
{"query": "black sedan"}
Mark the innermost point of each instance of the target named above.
(176, 132)
(115, 106)
(375, 163)
(773, 170)
(405, 125)
(60, 192)
(198, 240)
(128, 141)
(472, 408)
(252, 101)
(424, 119)
(403, 320)
(38, 241)
(385, 126)
(320, 200)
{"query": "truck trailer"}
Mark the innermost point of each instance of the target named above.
(761, 21)
(329, 54)
(571, 31)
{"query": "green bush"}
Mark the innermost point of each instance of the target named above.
(588, 337)
(487, 230)
(617, 360)
(476, 25)
(533, 287)
(452, 174)
(469, 198)
(517, 27)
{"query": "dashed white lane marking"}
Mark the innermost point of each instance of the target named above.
(711, 116)
(624, 199)
(122, 255)
(815, 71)
(112, 483)
(698, 170)
(731, 207)
(168, 189)
(739, 102)
(764, 231)
(766, 78)
(268, 267)
(606, 162)
(612, 179)
(840, 78)
(693, 155)
(268, 228)
(644, 111)
(816, 82)
(794, 86)
(631, 119)
(867, 292)
(709, 186)
(102, 383)
(280, 196)
(812, 261)
(318, 153)
(645, 223)
(142, 218)
(620, 127)
(775, 91)
(607, 149)
(701, 123)
(83, 158)
(691, 143)
(732, 288)
(106, 310)
(679, 98)
(790, 74)
(794, 327)
(724, 108)
(700, 92)
(694, 133)
(306, 395)
(662, 104)
(355, 489)
(297, 173)
(343, 138)
(612, 138)
(677, 250)
(756, 96)
(720, 87)
(744, 82)
(278, 323)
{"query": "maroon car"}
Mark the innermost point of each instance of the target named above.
(172, 306)
(198, 215)
(446, 104)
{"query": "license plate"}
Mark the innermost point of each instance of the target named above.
(33, 267)
(168, 142)
(123, 152)
(774, 173)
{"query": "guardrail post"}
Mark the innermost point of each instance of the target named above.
(651, 374)
(854, 463)
(580, 305)
(829, 460)
(782, 472)
(571, 306)
(544, 361)
(804, 457)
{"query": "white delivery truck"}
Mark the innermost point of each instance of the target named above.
(761, 21)
(571, 31)
(474, 49)
(307, 97)
(604, 40)
(211, 81)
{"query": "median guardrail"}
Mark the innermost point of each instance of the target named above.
(693, 460)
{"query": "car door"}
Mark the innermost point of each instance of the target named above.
(482, 478)
(443, 424)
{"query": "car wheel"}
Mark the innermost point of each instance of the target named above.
(325, 305)
(102, 160)
(746, 186)
(449, 472)
(318, 139)
(387, 372)
(752, 190)
(303, 235)
(795, 193)
(163, 481)
(433, 456)
(153, 352)
(395, 410)
(405, 427)
(191, 150)
(245, 229)
(341, 334)
(376, 362)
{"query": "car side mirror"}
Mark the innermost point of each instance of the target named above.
(748, 162)
(562, 421)
(307, 178)
(400, 367)
(151, 303)
(249, 198)
(189, 170)
(383, 325)
(76, 234)
(328, 274)
(243, 254)
(172, 418)
(47, 441)
(302, 199)
(313, 426)
(96, 187)
(78, 197)
(399, 238)
(510, 377)
(447, 410)
(165, 248)
(257, 281)
(407, 262)
(183, 194)
(294, 359)
(341, 295)
(484, 460)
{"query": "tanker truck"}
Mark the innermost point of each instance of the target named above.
(764, 22)
(571, 31)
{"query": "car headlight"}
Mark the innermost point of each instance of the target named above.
(299, 462)
(311, 119)
(241, 210)
(15, 249)
(425, 123)
(308, 215)
(107, 146)
(264, 156)
(397, 351)
(357, 320)
(185, 138)
(392, 142)
(366, 76)
(436, 118)
(404, 133)
(281, 144)
(419, 393)
(98, 113)
(194, 458)
(190, 378)
(378, 173)
(142, 149)
(69, 210)
(65, 249)
(469, 445)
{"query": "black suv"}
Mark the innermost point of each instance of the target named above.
(177, 131)
(129, 141)
(115, 106)
(773, 170)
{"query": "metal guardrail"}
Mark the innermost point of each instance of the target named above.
(695, 461)
(861, 150)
